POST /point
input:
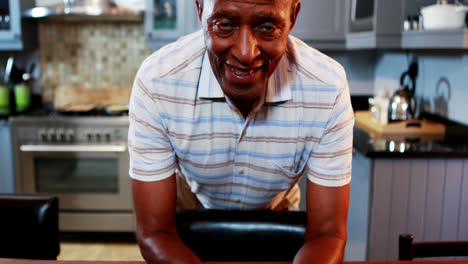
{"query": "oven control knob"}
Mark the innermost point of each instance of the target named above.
(51, 135)
(61, 135)
(108, 136)
(69, 135)
(42, 133)
(89, 135)
(98, 136)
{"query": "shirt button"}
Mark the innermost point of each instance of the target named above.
(241, 171)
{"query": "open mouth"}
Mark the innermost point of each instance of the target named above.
(242, 72)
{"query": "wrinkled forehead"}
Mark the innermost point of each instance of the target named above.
(275, 3)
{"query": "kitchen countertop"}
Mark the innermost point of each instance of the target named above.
(6, 261)
(454, 145)
(373, 147)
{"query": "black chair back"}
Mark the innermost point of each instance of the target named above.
(29, 227)
(408, 249)
(217, 235)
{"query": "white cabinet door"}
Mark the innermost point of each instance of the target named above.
(321, 21)
(166, 21)
(10, 25)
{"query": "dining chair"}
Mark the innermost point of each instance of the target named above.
(232, 235)
(29, 226)
(408, 249)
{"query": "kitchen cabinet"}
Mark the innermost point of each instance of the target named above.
(168, 20)
(321, 24)
(6, 159)
(385, 27)
(10, 26)
(413, 189)
(431, 39)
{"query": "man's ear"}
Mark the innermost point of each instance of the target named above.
(294, 13)
(199, 4)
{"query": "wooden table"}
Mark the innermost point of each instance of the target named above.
(141, 262)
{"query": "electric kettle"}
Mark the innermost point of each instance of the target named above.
(402, 105)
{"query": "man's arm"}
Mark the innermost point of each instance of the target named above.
(325, 239)
(155, 209)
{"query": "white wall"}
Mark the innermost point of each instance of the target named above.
(433, 66)
(360, 69)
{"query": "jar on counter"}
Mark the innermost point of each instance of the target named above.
(378, 107)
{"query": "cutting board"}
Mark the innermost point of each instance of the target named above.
(424, 129)
(71, 95)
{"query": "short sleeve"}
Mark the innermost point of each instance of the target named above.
(152, 157)
(330, 161)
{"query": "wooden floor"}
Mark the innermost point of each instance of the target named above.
(99, 246)
(99, 251)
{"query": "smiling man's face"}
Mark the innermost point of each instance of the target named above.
(246, 40)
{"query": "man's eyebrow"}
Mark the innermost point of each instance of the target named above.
(265, 17)
(223, 14)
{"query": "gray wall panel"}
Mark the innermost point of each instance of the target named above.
(7, 180)
(358, 213)
(380, 210)
(462, 223)
(417, 198)
(428, 198)
(450, 212)
(399, 205)
(434, 198)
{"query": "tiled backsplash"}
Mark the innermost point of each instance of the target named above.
(90, 55)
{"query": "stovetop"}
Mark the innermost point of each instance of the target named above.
(93, 113)
(55, 127)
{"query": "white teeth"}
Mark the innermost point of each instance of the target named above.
(241, 73)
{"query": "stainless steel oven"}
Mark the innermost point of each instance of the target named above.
(84, 162)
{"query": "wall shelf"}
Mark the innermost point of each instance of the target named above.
(435, 39)
(372, 40)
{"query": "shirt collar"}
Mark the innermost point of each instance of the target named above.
(278, 87)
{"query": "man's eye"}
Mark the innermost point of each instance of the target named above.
(266, 28)
(223, 26)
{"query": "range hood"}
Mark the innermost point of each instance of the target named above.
(86, 8)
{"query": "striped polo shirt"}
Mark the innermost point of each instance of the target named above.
(181, 121)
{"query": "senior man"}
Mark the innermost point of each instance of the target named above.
(231, 117)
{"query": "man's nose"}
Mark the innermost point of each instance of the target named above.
(246, 49)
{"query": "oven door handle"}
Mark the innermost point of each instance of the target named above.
(73, 148)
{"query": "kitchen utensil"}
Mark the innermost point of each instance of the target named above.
(97, 7)
(442, 98)
(13, 74)
(444, 16)
(22, 97)
(402, 105)
(4, 100)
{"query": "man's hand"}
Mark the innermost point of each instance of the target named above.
(327, 211)
(155, 208)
